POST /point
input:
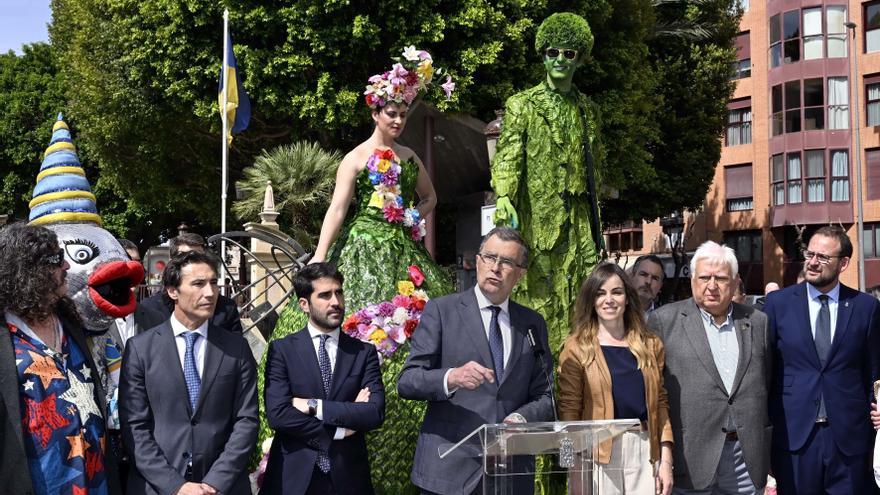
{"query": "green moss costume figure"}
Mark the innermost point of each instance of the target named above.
(544, 180)
(378, 240)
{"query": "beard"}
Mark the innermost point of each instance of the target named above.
(820, 280)
(328, 320)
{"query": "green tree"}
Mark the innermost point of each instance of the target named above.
(32, 95)
(302, 176)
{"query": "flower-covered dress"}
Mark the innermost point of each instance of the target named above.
(375, 251)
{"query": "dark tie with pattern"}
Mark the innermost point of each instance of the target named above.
(496, 344)
(190, 372)
(323, 460)
(823, 342)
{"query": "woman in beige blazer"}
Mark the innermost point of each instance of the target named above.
(611, 367)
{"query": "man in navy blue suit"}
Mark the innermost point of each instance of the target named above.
(323, 392)
(826, 344)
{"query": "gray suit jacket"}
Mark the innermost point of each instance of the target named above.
(160, 430)
(699, 404)
(450, 334)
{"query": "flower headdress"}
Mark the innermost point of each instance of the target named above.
(411, 73)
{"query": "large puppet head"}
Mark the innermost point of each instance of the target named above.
(564, 41)
(101, 275)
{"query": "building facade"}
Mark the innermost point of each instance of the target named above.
(788, 158)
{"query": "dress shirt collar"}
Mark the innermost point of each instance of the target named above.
(314, 332)
(483, 301)
(814, 293)
(179, 329)
(708, 318)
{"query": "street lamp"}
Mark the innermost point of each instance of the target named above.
(856, 129)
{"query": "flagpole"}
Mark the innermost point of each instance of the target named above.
(225, 145)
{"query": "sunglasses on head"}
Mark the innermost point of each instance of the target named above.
(56, 259)
(566, 52)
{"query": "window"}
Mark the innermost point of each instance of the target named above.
(839, 175)
(872, 92)
(813, 39)
(794, 177)
(792, 106)
(814, 101)
(838, 103)
(871, 249)
(791, 31)
(872, 165)
(777, 169)
(747, 244)
(775, 41)
(743, 66)
(739, 126)
(835, 19)
(627, 236)
(738, 187)
(872, 26)
(815, 176)
(776, 110)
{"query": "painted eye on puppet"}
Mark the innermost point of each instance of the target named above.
(81, 251)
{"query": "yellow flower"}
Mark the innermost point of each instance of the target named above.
(376, 200)
(384, 165)
(426, 70)
(378, 336)
(405, 288)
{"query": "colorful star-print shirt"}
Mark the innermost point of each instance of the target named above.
(63, 428)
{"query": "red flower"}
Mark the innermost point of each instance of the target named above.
(409, 326)
(418, 304)
(386, 154)
(393, 213)
(371, 99)
(351, 322)
(412, 78)
(416, 275)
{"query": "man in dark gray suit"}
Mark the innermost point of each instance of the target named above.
(471, 360)
(717, 376)
(187, 395)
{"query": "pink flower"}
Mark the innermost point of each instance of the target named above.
(397, 77)
(448, 87)
(402, 301)
(386, 309)
(389, 178)
(393, 213)
(416, 275)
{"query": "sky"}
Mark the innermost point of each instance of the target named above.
(23, 22)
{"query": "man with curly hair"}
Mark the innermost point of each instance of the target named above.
(544, 176)
(53, 417)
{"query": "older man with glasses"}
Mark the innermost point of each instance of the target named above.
(826, 343)
(716, 375)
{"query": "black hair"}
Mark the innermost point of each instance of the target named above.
(837, 232)
(195, 241)
(173, 274)
(303, 283)
(510, 235)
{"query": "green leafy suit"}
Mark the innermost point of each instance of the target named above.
(540, 166)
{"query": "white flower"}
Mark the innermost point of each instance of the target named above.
(421, 294)
(400, 316)
(411, 53)
(267, 444)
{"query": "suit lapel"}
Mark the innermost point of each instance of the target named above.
(844, 311)
(517, 336)
(696, 334)
(306, 350)
(345, 357)
(214, 356)
(473, 326)
(168, 354)
(744, 340)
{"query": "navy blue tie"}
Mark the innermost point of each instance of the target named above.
(323, 460)
(190, 372)
(496, 344)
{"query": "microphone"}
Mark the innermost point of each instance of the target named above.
(538, 351)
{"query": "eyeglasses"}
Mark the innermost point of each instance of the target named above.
(720, 281)
(823, 259)
(56, 259)
(568, 53)
(505, 263)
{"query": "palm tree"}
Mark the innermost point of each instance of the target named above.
(303, 175)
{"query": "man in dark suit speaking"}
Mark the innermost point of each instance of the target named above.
(187, 394)
(471, 360)
(323, 392)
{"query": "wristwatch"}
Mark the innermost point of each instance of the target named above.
(313, 406)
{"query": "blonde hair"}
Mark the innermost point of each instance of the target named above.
(585, 321)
